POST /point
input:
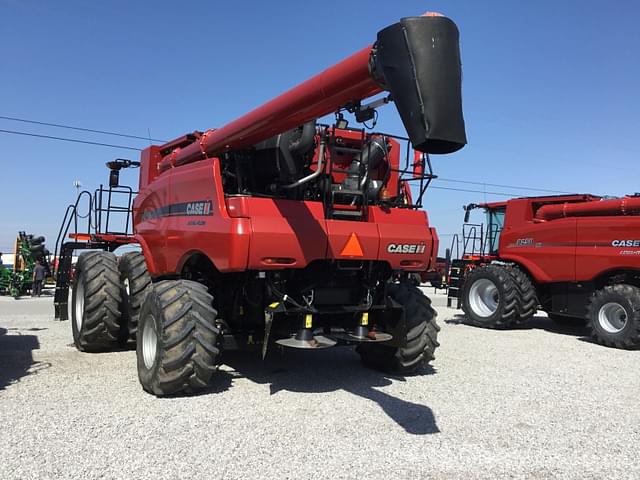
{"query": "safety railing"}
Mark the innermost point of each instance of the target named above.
(101, 207)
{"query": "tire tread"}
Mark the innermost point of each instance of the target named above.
(421, 336)
(188, 354)
(102, 325)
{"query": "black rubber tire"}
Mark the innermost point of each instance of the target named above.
(567, 320)
(527, 299)
(181, 315)
(36, 241)
(506, 312)
(628, 297)
(100, 327)
(421, 339)
(134, 273)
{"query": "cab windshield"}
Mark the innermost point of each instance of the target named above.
(495, 223)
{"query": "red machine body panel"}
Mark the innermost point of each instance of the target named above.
(285, 229)
(175, 225)
(264, 230)
(570, 238)
(547, 251)
(150, 226)
(606, 244)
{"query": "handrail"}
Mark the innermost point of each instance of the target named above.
(70, 215)
(455, 241)
(102, 222)
(96, 222)
(473, 244)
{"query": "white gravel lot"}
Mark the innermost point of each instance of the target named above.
(539, 402)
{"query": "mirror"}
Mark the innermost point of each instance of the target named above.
(114, 178)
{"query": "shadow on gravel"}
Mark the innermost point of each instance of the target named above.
(330, 370)
(16, 357)
(536, 323)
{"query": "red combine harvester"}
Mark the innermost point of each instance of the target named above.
(275, 228)
(577, 257)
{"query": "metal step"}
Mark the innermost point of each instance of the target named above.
(347, 213)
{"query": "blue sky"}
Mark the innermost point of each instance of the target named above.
(549, 91)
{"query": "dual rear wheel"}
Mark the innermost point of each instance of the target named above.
(502, 296)
(173, 320)
(106, 299)
(498, 296)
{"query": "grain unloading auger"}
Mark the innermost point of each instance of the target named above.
(416, 60)
(274, 228)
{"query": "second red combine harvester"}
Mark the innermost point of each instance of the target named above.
(577, 257)
(275, 228)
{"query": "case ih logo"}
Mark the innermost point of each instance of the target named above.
(625, 243)
(198, 208)
(406, 248)
(187, 209)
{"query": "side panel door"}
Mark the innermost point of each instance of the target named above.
(197, 220)
(151, 224)
(287, 230)
(547, 250)
(607, 243)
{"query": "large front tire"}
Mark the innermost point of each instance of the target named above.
(421, 338)
(177, 338)
(135, 280)
(614, 316)
(95, 317)
(490, 297)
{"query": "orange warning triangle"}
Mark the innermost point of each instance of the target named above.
(352, 248)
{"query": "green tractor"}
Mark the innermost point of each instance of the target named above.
(28, 250)
(6, 278)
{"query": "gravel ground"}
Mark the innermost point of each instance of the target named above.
(539, 402)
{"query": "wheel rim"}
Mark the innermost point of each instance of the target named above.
(612, 317)
(126, 286)
(484, 297)
(149, 342)
(79, 304)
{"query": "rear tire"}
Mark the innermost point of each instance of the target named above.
(177, 338)
(96, 298)
(421, 338)
(614, 316)
(490, 297)
(135, 280)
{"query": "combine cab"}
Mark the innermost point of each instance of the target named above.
(277, 229)
(577, 257)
